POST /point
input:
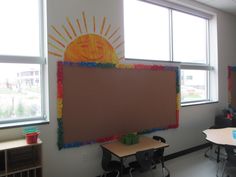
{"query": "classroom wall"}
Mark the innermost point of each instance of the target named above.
(85, 161)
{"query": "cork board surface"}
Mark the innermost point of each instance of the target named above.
(101, 102)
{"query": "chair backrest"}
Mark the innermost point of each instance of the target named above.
(160, 152)
(234, 121)
(144, 158)
(221, 121)
(106, 159)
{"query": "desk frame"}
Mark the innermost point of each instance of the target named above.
(123, 151)
(215, 136)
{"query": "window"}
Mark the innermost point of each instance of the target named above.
(164, 31)
(152, 35)
(22, 62)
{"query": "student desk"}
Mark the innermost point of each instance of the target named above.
(220, 137)
(122, 151)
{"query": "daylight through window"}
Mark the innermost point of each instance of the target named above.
(160, 31)
(21, 61)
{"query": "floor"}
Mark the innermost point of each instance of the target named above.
(191, 165)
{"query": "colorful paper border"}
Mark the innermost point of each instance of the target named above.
(60, 64)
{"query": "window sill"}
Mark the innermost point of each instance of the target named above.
(22, 124)
(198, 103)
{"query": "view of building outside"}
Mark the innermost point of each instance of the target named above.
(193, 85)
(20, 94)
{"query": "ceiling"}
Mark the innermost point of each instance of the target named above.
(225, 5)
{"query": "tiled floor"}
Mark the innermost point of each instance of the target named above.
(191, 165)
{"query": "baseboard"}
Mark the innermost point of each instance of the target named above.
(181, 153)
(186, 151)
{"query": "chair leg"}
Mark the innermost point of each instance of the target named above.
(130, 172)
(208, 150)
(164, 169)
(218, 168)
(223, 172)
(168, 172)
(118, 173)
(104, 174)
(163, 172)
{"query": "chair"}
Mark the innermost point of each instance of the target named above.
(109, 165)
(234, 121)
(230, 160)
(143, 163)
(158, 156)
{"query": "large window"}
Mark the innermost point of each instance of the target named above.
(163, 31)
(22, 61)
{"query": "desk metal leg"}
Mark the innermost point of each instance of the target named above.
(122, 167)
(218, 153)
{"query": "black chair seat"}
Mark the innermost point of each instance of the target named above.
(114, 165)
(134, 164)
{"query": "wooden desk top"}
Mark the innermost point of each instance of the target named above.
(222, 136)
(122, 150)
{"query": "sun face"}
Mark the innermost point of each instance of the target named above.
(90, 47)
(98, 46)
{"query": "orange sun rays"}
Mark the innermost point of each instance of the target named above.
(62, 39)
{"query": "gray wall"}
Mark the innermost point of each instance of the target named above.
(85, 161)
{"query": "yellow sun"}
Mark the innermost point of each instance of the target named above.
(98, 46)
(90, 47)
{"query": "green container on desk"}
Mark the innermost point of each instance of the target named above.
(130, 139)
(136, 139)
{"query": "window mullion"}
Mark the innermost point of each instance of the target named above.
(208, 60)
(196, 67)
(41, 28)
(43, 93)
(208, 85)
(21, 59)
(171, 34)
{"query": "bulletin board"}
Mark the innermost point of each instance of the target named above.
(232, 87)
(100, 102)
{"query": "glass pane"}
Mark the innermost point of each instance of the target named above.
(19, 32)
(20, 94)
(146, 31)
(193, 85)
(189, 38)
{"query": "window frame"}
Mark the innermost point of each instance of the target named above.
(208, 66)
(42, 61)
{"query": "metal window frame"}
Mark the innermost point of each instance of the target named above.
(179, 7)
(41, 60)
(185, 65)
(203, 67)
(207, 69)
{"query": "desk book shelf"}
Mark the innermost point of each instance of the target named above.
(19, 159)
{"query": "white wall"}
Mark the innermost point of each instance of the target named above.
(85, 161)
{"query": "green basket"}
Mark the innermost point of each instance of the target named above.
(130, 139)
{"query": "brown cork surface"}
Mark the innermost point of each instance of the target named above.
(100, 102)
